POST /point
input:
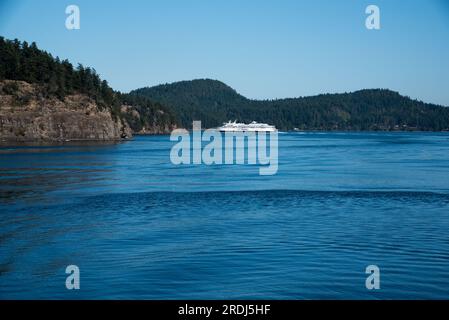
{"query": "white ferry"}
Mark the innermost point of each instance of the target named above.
(242, 127)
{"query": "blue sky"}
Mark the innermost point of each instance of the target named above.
(263, 48)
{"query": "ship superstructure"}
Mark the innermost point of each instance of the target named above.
(243, 127)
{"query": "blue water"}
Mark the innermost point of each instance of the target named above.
(140, 227)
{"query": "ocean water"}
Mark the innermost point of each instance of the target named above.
(139, 227)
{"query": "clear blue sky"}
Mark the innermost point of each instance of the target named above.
(263, 49)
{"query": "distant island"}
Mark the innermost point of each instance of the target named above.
(214, 102)
(43, 98)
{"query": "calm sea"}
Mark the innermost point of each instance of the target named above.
(138, 226)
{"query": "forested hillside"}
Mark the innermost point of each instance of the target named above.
(52, 78)
(213, 102)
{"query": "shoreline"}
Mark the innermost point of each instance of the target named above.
(43, 142)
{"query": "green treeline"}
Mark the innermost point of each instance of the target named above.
(213, 102)
(26, 62)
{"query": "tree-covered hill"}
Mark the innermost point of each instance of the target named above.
(213, 102)
(210, 101)
(55, 78)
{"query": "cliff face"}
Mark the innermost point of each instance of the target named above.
(25, 115)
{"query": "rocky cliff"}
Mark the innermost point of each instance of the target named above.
(27, 115)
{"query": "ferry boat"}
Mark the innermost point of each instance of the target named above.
(242, 127)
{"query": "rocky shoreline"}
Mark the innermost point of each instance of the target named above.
(26, 115)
